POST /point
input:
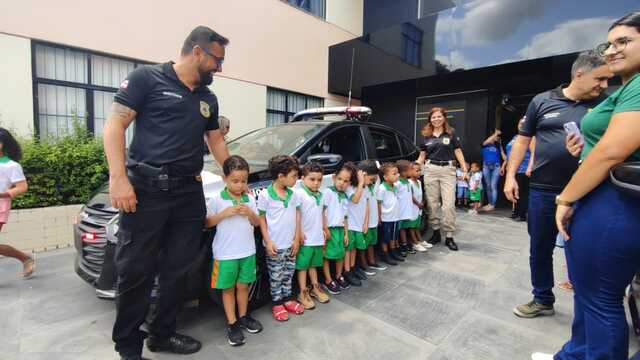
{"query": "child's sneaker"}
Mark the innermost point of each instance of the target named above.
(250, 324)
(332, 288)
(473, 211)
(419, 247)
(351, 278)
(378, 267)
(426, 244)
(234, 334)
(358, 273)
(306, 300)
(280, 313)
(386, 258)
(319, 295)
(368, 271)
(410, 249)
(344, 285)
(294, 307)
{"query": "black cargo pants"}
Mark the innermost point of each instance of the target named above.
(162, 237)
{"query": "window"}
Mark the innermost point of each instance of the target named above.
(345, 141)
(408, 148)
(411, 44)
(73, 85)
(282, 105)
(315, 7)
(386, 144)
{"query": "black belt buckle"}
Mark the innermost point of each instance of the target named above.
(163, 182)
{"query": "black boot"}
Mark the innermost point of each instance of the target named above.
(176, 343)
(435, 238)
(451, 244)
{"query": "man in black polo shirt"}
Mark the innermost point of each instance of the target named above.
(545, 118)
(159, 191)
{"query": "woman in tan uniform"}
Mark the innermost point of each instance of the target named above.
(441, 149)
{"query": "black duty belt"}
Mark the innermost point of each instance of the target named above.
(164, 182)
(440, 163)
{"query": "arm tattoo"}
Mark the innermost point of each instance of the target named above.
(121, 111)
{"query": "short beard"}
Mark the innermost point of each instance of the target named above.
(206, 78)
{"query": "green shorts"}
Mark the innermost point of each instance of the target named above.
(357, 240)
(372, 236)
(335, 245)
(308, 257)
(475, 195)
(411, 224)
(226, 273)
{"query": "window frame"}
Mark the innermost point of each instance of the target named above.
(88, 87)
(408, 42)
(324, 9)
(287, 114)
(400, 153)
(363, 143)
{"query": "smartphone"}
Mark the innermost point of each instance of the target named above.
(572, 128)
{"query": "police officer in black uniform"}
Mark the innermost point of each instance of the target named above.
(158, 190)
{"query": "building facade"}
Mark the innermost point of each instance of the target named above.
(64, 60)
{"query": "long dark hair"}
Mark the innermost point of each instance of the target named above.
(631, 20)
(10, 146)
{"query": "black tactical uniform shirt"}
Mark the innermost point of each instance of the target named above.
(441, 148)
(171, 119)
(545, 118)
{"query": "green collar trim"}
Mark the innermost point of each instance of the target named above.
(341, 194)
(244, 198)
(314, 194)
(372, 188)
(404, 181)
(274, 195)
(389, 187)
(4, 159)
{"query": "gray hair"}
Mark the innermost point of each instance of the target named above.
(586, 62)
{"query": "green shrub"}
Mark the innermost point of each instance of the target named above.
(63, 171)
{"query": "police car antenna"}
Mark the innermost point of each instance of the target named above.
(353, 55)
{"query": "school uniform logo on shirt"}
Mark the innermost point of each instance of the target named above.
(204, 109)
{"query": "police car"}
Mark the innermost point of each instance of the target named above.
(329, 136)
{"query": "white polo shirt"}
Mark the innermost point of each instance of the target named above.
(373, 206)
(336, 203)
(311, 208)
(234, 237)
(280, 214)
(10, 173)
(356, 212)
(405, 202)
(416, 188)
(387, 196)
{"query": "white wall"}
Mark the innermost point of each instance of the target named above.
(347, 14)
(16, 91)
(244, 103)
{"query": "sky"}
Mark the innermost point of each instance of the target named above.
(477, 33)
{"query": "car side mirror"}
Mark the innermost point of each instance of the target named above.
(330, 162)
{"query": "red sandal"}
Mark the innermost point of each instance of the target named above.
(280, 313)
(294, 307)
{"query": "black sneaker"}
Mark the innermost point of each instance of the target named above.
(393, 255)
(368, 271)
(378, 267)
(386, 258)
(435, 238)
(344, 285)
(332, 288)
(410, 249)
(401, 252)
(352, 279)
(234, 334)
(359, 273)
(250, 324)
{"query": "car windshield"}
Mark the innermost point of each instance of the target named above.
(261, 145)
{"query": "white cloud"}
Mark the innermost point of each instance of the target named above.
(487, 21)
(456, 60)
(574, 35)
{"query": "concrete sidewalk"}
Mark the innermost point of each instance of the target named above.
(436, 306)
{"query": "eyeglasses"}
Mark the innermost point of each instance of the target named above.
(219, 61)
(618, 44)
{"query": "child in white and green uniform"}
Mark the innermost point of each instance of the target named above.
(336, 204)
(371, 170)
(233, 213)
(314, 231)
(358, 216)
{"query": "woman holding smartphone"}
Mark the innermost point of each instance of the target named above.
(600, 222)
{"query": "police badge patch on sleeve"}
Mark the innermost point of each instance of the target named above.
(204, 109)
